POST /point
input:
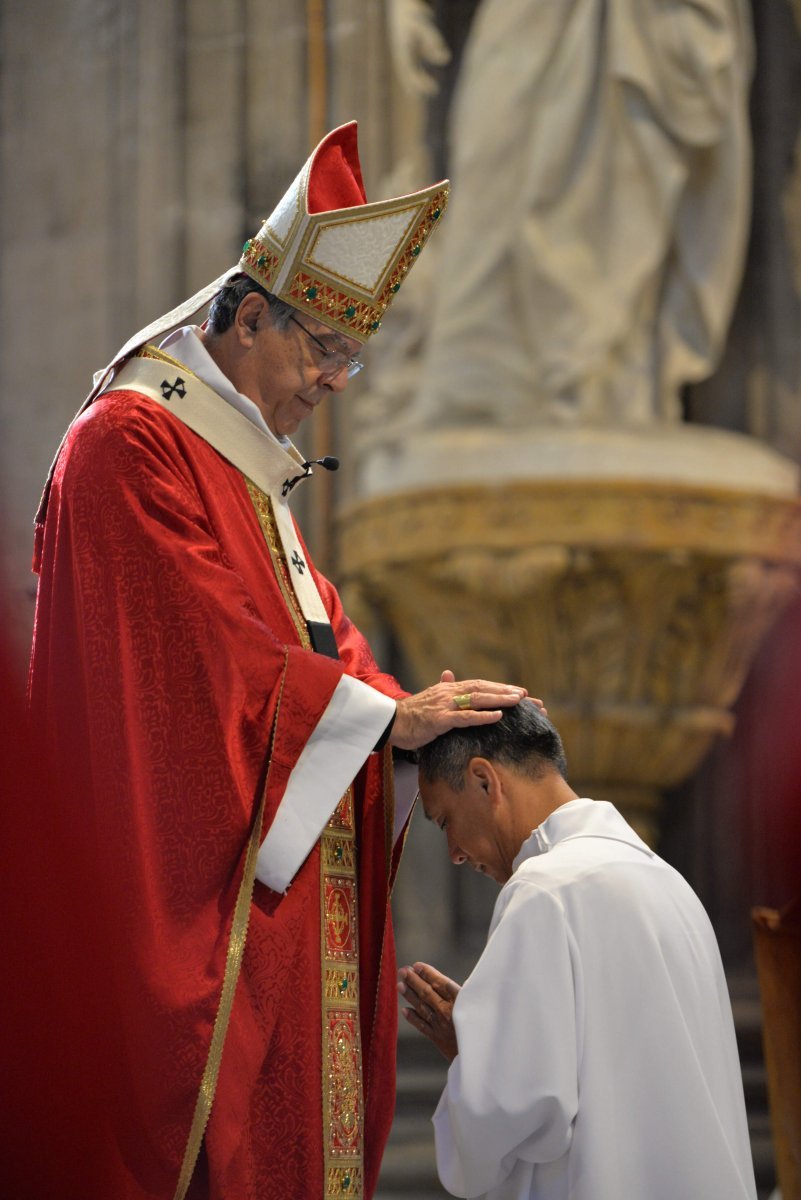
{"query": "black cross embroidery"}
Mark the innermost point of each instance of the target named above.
(298, 562)
(167, 389)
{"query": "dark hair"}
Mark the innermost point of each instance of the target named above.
(226, 301)
(524, 739)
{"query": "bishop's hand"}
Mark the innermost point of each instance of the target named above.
(447, 705)
(430, 996)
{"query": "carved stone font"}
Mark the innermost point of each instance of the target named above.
(634, 607)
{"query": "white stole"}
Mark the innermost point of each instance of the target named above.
(252, 451)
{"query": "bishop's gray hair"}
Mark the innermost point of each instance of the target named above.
(523, 739)
(226, 301)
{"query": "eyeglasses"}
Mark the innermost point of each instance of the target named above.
(333, 361)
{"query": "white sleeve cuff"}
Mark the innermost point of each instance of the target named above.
(339, 745)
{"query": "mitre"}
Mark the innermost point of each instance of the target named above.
(326, 251)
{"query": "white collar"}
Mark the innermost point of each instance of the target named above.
(185, 345)
(579, 818)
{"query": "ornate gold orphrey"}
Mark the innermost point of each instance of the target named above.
(342, 1086)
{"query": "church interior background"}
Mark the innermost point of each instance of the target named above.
(573, 461)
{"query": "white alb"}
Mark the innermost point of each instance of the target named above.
(597, 1057)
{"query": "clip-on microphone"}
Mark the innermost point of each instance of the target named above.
(328, 461)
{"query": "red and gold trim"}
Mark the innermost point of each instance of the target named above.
(342, 311)
(343, 1098)
(342, 1081)
(260, 262)
(413, 246)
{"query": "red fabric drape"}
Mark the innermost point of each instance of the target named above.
(161, 639)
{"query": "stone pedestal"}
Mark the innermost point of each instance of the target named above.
(626, 577)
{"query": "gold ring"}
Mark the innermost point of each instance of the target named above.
(464, 700)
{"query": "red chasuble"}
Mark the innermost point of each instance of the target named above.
(171, 672)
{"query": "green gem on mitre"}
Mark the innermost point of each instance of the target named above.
(246, 246)
(338, 853)
(375, 325)
(396, 287)
(415, 251)
(311, 292)
(435, 216)
(350, 311)
(261, 261)
(343, 985)
(346, 1182)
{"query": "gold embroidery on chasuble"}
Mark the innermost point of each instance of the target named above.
(342, 1067)
(159, 355)
(264, 511)
(342, 1090)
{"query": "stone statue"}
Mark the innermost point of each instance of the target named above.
(596, 234)
(416, 48)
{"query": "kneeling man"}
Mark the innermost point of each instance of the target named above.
(592, 1049)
